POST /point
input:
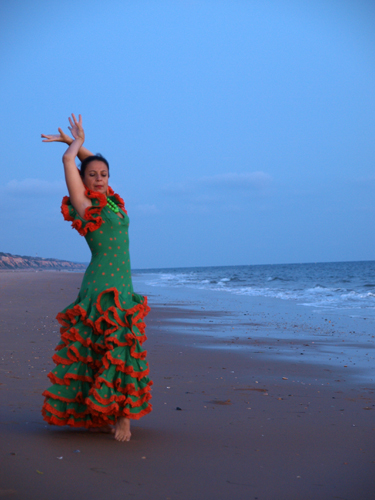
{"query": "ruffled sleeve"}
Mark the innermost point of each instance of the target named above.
(92, 219)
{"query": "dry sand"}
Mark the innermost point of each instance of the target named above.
(251, 425)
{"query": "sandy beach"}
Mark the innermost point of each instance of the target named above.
(269, 402)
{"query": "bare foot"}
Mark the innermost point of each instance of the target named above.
(108, 429)
(122, 429)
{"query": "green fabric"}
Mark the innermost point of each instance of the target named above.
(101, 370)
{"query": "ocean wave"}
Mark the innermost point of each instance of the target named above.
(277, 278)
(336, 285)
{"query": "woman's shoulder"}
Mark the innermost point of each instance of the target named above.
(92, 218)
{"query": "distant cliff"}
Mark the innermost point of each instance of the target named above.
(18, 262)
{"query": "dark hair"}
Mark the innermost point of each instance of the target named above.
(88, 160)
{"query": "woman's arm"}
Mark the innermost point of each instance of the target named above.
(73, 179)
(62, 137)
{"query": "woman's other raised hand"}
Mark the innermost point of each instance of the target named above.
(76, 128)
(61, 137)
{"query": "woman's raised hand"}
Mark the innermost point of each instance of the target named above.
(77, 132)
(61, 137)
(76, 128)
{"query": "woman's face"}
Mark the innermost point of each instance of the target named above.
(96, 176)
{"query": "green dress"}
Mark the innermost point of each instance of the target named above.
(101, 370)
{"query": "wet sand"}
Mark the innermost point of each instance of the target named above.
(235, 417)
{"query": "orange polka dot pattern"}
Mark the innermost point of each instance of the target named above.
(101, 369)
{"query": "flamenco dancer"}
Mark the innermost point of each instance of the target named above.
(100, 381)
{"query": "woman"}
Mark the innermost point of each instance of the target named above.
(101, 374)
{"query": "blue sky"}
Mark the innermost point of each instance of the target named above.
(238, 132)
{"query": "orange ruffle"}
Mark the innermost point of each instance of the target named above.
(69, 417)
(92, 213)
(103, 326)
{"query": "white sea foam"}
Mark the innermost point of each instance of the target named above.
(344, 285)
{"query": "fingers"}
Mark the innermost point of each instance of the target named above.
(61, 136)
(74, 121)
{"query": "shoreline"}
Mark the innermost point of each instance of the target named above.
(252, 423)
(280, 327)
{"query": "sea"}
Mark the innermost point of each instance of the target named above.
(327, 306)
(348, 287)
